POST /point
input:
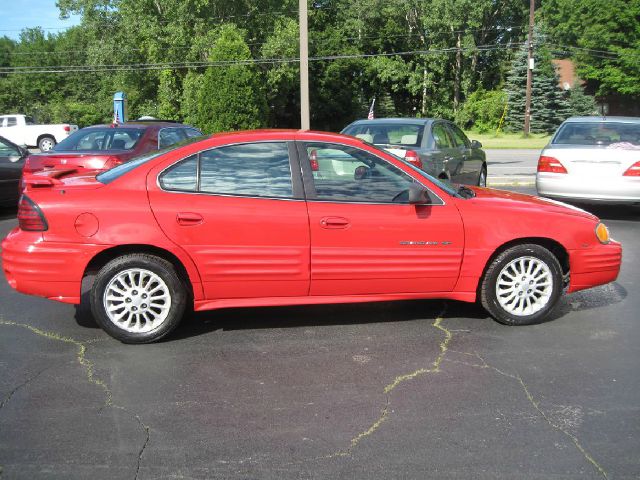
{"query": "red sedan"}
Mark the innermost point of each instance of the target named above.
(287, 218)
(102, 147)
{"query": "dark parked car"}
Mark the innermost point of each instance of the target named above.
(102, 147)
(11, 161)
(436, 146)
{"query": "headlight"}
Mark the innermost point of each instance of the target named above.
(602, 232)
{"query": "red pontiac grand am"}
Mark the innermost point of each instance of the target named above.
(287, 218)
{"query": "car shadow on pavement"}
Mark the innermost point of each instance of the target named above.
(322, 316)
(231, 319)
(306, 316)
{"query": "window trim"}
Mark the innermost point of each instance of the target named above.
(310, 191)
(296, 181)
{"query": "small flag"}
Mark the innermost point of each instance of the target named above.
(371, 116)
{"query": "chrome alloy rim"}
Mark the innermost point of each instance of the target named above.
(137, 300)
(524, 286)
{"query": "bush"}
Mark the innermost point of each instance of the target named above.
(482, 110)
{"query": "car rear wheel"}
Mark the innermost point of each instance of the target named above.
(138, 298)
(46, 143)
(522, 285)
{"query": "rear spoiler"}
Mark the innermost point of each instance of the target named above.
(46, 178)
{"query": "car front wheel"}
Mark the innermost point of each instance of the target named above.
(522, 285)
(138, 298)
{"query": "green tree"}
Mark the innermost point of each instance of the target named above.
(580, 103)
(603, 38)
(231, 95)
(549, 107)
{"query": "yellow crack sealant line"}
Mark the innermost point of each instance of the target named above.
(536, 405)
(435, 368)
(89, 368)
(80, 356)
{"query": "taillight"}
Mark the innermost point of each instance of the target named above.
(633, 170)
(30, 217)
(412, 157)
(313, 159)
(66, 128)
(550, 164)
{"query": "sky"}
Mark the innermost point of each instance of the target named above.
(18, 14)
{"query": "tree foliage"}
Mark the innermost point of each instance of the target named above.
(230, 64)
(603, 38)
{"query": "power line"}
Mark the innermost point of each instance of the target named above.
(222, 63)
(371, 37)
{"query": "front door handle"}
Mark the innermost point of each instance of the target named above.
(334, 222)
(189, 218)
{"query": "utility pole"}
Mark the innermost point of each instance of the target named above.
(527, 106)
(304, 67)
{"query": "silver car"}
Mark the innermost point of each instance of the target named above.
(592, 159)
(436, 146)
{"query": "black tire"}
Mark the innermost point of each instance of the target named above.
(150, 286)
(541, 290)
(46, 143)
(482, 178)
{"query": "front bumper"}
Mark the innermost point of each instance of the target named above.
(45, 269)
(594, 266)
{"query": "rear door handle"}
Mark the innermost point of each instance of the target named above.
(189, 218)
(334, 222)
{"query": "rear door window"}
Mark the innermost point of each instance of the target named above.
(169, 136)
(253, 170)
(441, 136)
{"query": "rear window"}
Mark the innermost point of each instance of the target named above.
(598, 133)
(388, 134)
(92, 139)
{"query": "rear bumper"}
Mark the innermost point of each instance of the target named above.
(592, 189)
(45, 269)
(594, 266)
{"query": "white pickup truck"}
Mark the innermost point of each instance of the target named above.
(22, 130)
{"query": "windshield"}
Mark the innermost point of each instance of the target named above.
(598, 133)
(117, 171)
(405, 135)
(106, 138)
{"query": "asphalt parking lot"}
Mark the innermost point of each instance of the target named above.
(422, 389)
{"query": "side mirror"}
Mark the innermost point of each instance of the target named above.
(418, 195)
(475, 144)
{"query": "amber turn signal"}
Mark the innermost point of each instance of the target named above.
(602, 232)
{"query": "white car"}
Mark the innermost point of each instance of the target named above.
(22, 130)
(592, 160)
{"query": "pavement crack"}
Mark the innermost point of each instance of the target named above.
(144, 445)
(536, 405)
(89, 368)
(386, 410)
(23, 384)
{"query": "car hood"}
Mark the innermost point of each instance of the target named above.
(512, 200)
